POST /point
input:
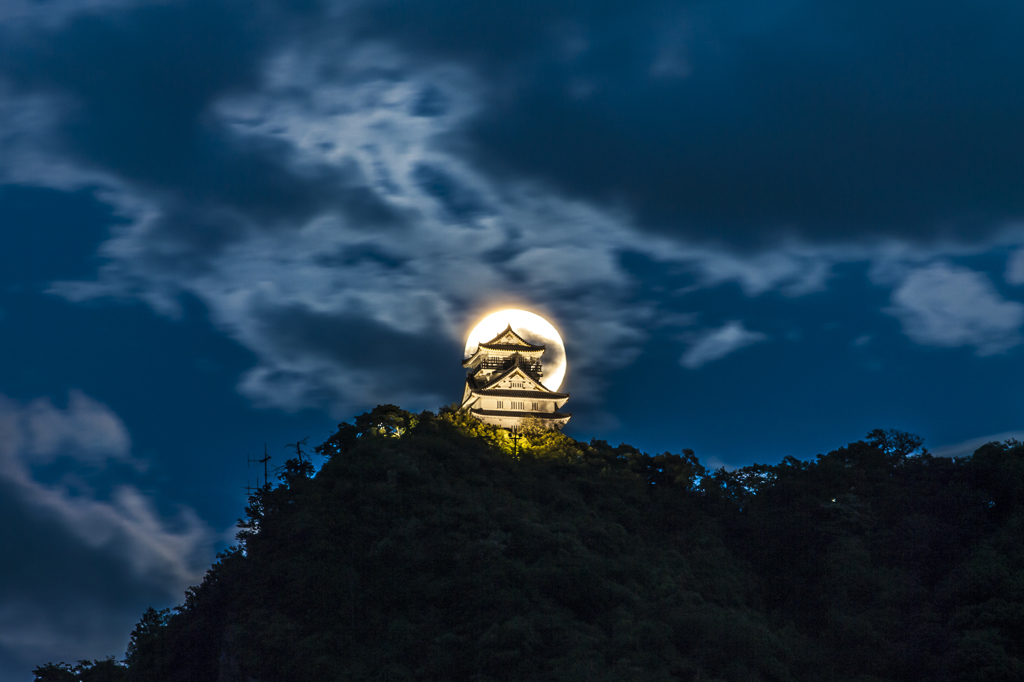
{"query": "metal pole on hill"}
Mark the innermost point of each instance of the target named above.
(266, 458)
(249, 461)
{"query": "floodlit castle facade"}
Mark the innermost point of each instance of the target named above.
(503, 385)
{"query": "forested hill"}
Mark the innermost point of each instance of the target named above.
(428, 548)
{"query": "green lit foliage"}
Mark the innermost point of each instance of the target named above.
(384, 421)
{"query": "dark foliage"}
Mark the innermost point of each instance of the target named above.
(423, 550)
(106, 670)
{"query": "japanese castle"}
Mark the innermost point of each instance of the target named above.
(503, 385)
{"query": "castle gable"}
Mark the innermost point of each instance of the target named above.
(516, 379)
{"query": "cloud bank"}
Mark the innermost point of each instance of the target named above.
(124, 550)
(348, 189)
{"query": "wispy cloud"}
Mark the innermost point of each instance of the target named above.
(87, 430)
(947, 305)
(55, 12)
(418, 241)
(1014, 273)
(717, 343)
(967, 447)
(420, 244)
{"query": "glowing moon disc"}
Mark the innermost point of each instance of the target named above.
(532, 328)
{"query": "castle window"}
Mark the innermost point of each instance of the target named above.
(501, 404)
(536, 407)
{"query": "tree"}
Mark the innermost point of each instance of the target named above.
(426, 551)
(896, 444)
(103, 670)
(55, 672)
(147, 646)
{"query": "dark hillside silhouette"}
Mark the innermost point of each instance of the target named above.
(425, 549)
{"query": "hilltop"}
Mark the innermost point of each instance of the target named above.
(432, 547)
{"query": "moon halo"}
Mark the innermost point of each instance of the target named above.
(532, 328)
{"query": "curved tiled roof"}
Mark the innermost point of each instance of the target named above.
(508, 330)
(533, 352)
(528, 348)
(509, 393)
(550, 416)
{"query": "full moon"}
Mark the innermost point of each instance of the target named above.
(532, 328)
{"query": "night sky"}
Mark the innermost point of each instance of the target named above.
(763, 229)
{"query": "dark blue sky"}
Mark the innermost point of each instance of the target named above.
(763, 229)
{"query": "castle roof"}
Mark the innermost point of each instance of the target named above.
(513, 347)
(512, 393)
(505, 342)
(509, 340)
(546, 416)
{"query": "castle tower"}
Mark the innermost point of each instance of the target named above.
(503, 386)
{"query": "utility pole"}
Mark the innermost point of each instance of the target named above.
(250, 461)
(515, 440)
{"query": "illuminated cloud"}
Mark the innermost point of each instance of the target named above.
(414, 241)
(417, 243)
(428, 252)
(349, 217)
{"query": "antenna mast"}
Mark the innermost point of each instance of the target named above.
(266, 475)
(266, 458)
(249, 461)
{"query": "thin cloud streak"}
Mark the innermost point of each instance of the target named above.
(967, 447)
(717, 343)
